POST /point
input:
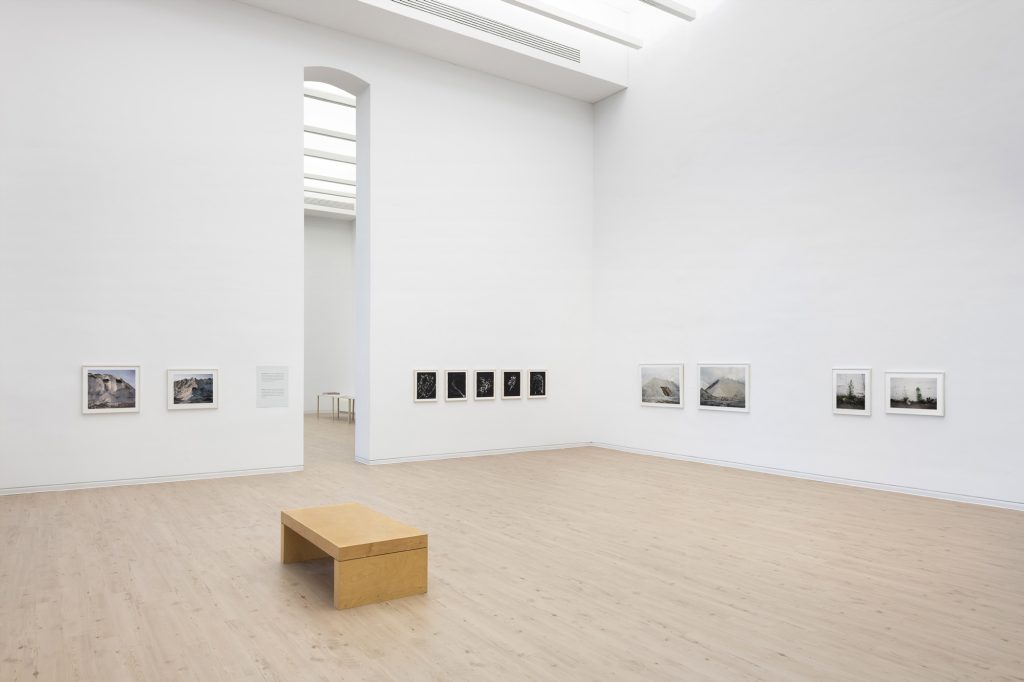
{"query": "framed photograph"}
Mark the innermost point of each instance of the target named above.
(917, 393)
(192, 389)
(485, 389)
(661, 385)
(110, 388)
(538, 383)
(511, 384)
(851, 391)
(456, 385)
(724, 387)
(425, 386)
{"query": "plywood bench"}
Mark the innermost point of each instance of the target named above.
(375, 557)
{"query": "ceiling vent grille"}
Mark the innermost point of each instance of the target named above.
(495, 28)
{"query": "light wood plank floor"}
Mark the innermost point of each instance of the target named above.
(572, 565)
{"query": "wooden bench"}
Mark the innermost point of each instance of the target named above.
(375, 557)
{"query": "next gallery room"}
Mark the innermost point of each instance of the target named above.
(512, 340)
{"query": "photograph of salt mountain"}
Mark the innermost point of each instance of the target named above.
(661, 385)
(724, 387)
(111, 388)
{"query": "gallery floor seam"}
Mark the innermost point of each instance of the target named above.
(787, 473)
(823, 478)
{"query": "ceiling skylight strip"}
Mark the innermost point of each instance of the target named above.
(328, 178)
(329, 156)
(327, 132)
(332, 192)
(495, 28)
(673, 7)
(576, 21)
(343, 100)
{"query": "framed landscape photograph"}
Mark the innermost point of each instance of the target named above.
(425, 386)
(917, 393)
(538, 383)
(724, 387)
(484, 382)
(110, 388)
(511, 384)
(661, 385)
(851, 391)
(192, 389)
(456, 385)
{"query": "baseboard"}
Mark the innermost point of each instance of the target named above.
(141, 481)
(471, 453)
(920, 492)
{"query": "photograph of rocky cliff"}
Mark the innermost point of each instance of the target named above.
(661, 385)
(191, 389)
(110, 389)
(725, 387)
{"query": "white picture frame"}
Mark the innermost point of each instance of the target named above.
(921, 394)
(656, 381)
(452, 379)
(509, 392)
(197, 399)
(857, 384)
(728, 376)
(119, 386)
(421, 386)
(536, 391)
(480, 381)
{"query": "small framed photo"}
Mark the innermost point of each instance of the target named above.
(484, 382)
(425, 386)
(851, 391)
(538, 383)
(661, 385)
(456, 385)
(918, 393)
(511, 384)
(192, 389)
(724, 387)
(110, 388)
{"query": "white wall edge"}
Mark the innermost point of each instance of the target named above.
(791, 473)
(56, 487)
(472, 453)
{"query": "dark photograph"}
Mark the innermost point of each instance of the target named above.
(426, 386)
(485, 385)
(456, 382)
(538, 383)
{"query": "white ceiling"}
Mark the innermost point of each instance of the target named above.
(603, 64)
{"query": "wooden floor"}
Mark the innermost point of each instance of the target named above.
(579, 564)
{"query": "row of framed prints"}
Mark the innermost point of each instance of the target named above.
(109, 389)
(727, 388)
(488, 384)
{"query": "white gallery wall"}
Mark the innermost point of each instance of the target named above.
(330, 310)
(151, 213)
(809, 185)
